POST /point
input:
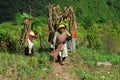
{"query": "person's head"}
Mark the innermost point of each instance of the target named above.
(61, 28)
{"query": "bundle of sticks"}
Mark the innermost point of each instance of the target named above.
(55, 16)
(25, 32)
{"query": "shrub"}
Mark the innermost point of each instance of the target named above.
(4, 37)
(20, 17)
(6, 42)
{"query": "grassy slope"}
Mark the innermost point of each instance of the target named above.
(39, 67)
(82, 63)
(85, 66)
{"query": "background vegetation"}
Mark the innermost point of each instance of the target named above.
(86, 11)
(97, 39)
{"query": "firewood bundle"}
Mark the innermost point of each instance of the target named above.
(25, 32)
(56, 16)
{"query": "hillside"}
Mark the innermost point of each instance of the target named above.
(97, 53)
(80, 65)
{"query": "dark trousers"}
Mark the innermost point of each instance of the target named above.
(61, 59)
(27, 50)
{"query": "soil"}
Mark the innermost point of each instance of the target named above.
(61, 72)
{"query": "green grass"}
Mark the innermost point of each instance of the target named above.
(84, 60)
(23, 66)
(17, 66)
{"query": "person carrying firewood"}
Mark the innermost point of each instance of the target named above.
(29, 48)
(27, 36)
(59, 42)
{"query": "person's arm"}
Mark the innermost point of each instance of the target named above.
(68, 35)
(36, 34)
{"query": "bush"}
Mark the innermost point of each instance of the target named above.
(6, 42)
(4, 37)
(18, 19)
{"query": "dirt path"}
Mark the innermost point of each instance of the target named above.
(61, 72)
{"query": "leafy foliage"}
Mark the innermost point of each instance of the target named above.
(86, 12)
(4, 35)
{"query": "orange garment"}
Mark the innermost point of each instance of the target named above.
(74, 35)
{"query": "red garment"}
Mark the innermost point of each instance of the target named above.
(74, 35)
(62, 37)
(31, 35)
(56, 51)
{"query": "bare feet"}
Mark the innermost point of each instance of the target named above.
(62, 62)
